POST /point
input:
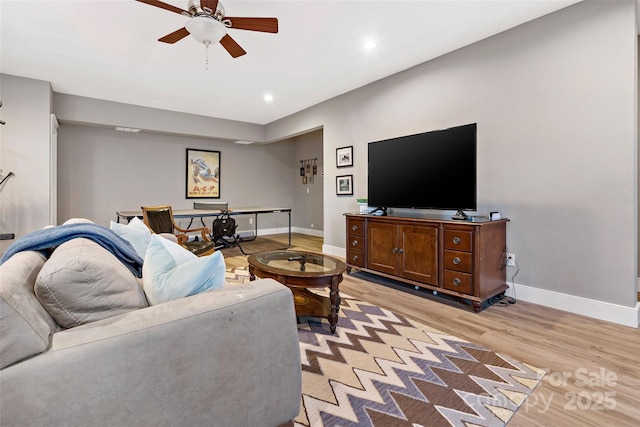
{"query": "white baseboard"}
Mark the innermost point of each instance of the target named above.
(264, 231)
(308, 231)
(622, 315)
(281, 230)
(334, 250)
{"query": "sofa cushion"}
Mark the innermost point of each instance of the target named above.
(170, 271)
(24, 325)
(82, 282)
(136, 233)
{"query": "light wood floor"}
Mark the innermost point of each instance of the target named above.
(593, 366)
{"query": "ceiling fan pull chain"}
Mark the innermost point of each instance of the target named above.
(206, 62)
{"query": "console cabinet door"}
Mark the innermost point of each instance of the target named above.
(382, 247)
(419, 253)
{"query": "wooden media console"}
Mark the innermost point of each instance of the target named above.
(459, 258)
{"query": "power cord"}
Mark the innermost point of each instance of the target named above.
(505, 300)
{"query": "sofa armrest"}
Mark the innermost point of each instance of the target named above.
(229, 357)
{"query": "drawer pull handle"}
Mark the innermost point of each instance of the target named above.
(400, 251)
(354, 228)
(354, 243)
(456, 260)
(457, 281)
(355, 258)
(456, 240)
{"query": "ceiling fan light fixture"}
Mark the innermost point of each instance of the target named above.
(203, 29)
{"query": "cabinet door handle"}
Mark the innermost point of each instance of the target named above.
(354, 243)
(400, 251)
(354, 228)
(394, 250)
(456, 240)
(457, 281)
(456, 260)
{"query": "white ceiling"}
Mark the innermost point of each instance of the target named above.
(109, 49)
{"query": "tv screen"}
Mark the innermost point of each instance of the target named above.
(431, 170)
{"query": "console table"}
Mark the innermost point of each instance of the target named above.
(459, 258)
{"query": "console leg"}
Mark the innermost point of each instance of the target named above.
(477, 306)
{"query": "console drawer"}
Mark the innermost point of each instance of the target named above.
(356, 242)
(458, 261)
(457, 281)
(456, 239)
(355, 258)
(356, 227)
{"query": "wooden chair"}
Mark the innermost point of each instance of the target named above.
(159, 219)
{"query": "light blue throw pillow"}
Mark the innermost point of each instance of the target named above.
(170, 271)
(136, 233)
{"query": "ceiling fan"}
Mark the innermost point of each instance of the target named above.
(208, 24)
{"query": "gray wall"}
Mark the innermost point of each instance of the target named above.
(101, 171)
(81, 110)
(555, 103)
(308, 206)
(24, 150)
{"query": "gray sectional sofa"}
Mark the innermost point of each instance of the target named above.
(227, 357)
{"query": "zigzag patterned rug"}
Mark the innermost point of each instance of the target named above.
(381, 369)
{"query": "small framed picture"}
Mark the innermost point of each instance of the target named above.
(344, 156)
(344, 185)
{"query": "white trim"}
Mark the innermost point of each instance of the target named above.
(281, 230)
(308, 231)
(264, 231)
(622, 315)
(334, 250)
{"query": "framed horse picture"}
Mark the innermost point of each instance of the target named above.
(203, 174)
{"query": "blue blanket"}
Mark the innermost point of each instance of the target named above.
(49, 238)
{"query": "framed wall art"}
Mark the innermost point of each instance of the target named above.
(344, 185)
(203, 174)
(344, 156)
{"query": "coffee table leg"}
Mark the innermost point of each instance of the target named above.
(334, 296)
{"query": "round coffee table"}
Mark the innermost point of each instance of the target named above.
(300, 271)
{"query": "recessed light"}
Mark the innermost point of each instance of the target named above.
(244, 142)
(268, 97)
(125, 129)
(369, 44)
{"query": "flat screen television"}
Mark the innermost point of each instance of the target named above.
(430, 170)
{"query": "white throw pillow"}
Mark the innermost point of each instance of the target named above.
(136, 233)
(170, 271)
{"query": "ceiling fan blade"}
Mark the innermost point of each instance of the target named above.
(165, 6)
(211, 4)
(231, 46)
(175, 36)
(266, 25)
